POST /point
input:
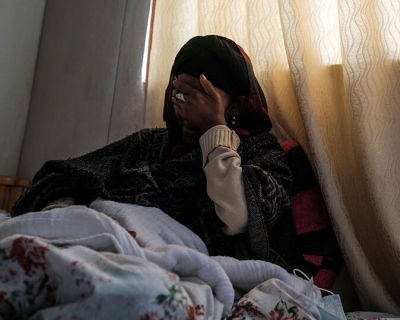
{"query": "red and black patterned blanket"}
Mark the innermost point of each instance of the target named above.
(314, 232)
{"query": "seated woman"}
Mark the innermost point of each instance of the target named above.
(216, 168)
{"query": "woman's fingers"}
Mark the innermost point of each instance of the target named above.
(202, 106)
(184, 87)
(208, 86)
(176, 102)
(194, 89)
(191, 81)
(178, 95)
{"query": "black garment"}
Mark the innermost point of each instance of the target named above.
(133, 170)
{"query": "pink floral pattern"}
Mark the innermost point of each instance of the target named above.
(41, 281)
(174, 301)
(28, 254)
(285, 311)
(245, 308)
(268, 301)
(23, 279)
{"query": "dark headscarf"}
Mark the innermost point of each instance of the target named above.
(228, 68)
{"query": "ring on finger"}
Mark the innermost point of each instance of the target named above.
(180, 96)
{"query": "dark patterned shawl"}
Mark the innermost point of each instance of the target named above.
(135, 170)
(132, 170)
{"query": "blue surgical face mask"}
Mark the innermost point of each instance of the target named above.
(330, 307)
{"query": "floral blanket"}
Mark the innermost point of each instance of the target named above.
(42, 281)
(117, 263)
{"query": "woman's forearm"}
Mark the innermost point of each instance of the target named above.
(222, 166)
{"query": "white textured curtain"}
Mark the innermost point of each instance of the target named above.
(331, 73)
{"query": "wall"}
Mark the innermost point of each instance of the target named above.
(88, 89)
(20, 26)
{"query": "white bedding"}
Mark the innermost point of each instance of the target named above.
(82, 262)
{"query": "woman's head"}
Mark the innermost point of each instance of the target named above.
(229, 69)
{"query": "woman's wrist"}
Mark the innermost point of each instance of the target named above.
(213, 124)
(219, 135)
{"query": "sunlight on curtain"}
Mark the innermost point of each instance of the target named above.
(331, 73)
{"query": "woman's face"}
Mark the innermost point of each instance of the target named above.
(191, 134)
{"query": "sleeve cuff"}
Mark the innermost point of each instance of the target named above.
(218, 136)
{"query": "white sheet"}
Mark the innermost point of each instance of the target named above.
(160, 240)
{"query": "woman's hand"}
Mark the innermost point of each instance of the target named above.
(204, 106)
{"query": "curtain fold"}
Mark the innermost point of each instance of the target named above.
(330, 70)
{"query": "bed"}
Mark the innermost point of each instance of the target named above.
(115, 260)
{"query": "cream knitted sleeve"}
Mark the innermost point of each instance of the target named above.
(222, 166)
